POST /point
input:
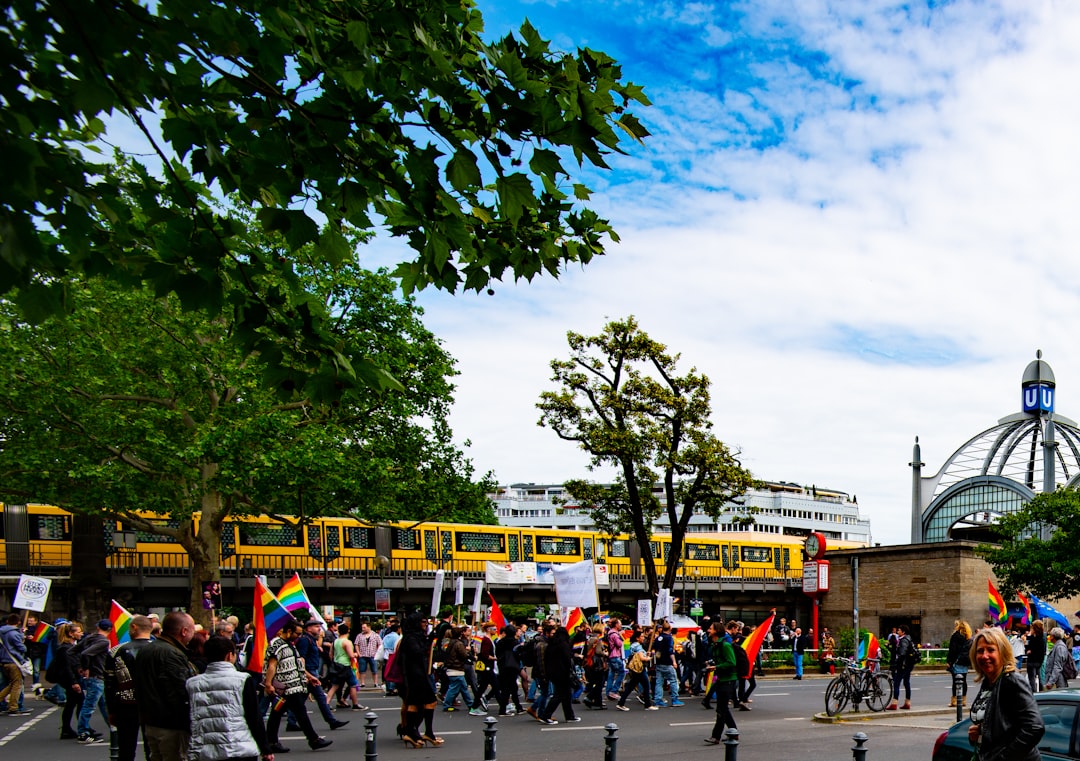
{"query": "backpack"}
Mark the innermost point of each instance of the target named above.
(636, 664)
(688, 647)
(742, 661)
(1068, 668)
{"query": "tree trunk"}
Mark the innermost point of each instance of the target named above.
(204, 553)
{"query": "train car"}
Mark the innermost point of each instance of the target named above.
(40, 536)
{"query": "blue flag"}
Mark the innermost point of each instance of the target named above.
(1042, 610)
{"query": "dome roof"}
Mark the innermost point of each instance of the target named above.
(1038, 371)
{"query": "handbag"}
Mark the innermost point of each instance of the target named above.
(26, 667)
(392, 672)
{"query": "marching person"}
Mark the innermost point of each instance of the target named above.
(283, 680)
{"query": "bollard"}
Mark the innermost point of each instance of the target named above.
(114, 744)
(371, 751)
(731, 744)
(609, 741)
(858, 753)
(489, 737)
(958, 691)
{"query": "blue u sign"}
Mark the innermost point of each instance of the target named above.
(1039, 398)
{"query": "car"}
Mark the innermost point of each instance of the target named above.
(1060, 710)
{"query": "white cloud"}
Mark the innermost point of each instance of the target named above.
(919, 201)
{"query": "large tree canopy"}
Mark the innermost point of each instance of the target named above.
(131, 403)
(621, 400)
(327, 118)
(1037, 550)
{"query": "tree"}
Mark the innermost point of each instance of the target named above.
(327, 118)
(131, 404)
(621, 401)
(1025, 560)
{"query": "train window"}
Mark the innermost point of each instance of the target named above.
(701, 551)
(620, 548)
(558, 545)
(228, 541)
(431, 552)
(148, 538)
(515, 549)
(727, 554)
(404, 539)
(474, 541)
(527, 548)
(267, 535)
(756, 554)
(654, 548)
(55, 528)
(359, 538)
(588, 549)
(314, 540)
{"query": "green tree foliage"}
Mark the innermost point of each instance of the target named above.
(621, 400)
(130, 403)
(326, 118)
(1037, 550)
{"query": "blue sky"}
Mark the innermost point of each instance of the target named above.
(859, 219)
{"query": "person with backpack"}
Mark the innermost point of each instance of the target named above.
(724, 679)
(596, 668)
(958, 659)
(120, 687)
(506, 655)
(743, 672)
(1059, 662)
(904, 659)
(616, 663)
(532, 654)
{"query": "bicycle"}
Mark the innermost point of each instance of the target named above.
(856, 684)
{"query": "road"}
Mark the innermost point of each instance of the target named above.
(780, 726)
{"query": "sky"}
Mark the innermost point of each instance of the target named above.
(858, 219)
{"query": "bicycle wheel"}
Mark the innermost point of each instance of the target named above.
(836, 696)
(880, 693)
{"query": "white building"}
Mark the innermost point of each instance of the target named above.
(783, 508)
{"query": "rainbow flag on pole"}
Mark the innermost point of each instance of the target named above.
(121, 620)
(999, 613)
(1025, 617)
(269, 616)
(868, 648)
(752, 642)
(41, 631)
(294, 597)
(574, 619)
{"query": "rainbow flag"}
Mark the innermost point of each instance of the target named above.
(41, 631)
(497, 616)
(1025, 617)
(752, 642)
(294, 597)
(998, 611)
(575, 619)
(269, 616)
(121, 620)
(868, 648)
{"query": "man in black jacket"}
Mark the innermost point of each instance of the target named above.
(91, 653)
(161, 689)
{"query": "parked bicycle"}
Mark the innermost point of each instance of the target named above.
(856, 684)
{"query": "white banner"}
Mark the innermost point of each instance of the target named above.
(510, 573)
(644, 613)
(436, 592)
(575, 585)
(32, 593)
(664, 604)
(459, 590)
(476, 598)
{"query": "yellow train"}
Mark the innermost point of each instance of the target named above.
(40, 537)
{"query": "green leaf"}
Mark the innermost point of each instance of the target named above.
(462, 171)
(515, 195)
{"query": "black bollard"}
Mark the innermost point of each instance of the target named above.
(731, 744)
(371, 750)
(958, 691)
(858, 753)
(114, 744)
(489, 737)
(609, 741)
